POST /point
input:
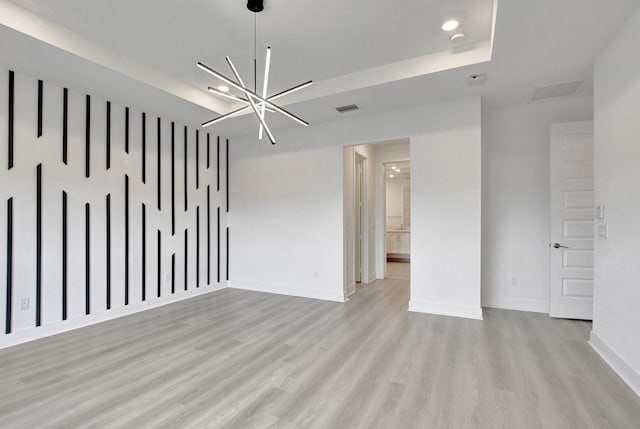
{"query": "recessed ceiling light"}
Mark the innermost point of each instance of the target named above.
(458, 36)
(450, 25)
(223, 88)
(391, 175)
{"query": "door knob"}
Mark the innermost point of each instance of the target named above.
(559, 246)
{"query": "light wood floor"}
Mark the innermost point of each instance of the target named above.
(243, 359)
(398, 270)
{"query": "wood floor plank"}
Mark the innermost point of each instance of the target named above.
(241, 359)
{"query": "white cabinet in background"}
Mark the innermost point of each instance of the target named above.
(399, 243)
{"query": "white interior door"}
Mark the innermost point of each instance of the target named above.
(572, 221)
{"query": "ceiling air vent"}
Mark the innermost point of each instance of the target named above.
(349, 108)
(559, 90)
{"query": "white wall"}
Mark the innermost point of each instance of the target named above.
(287, 201)
(515, 200)
(446, 198)
(394, 193)
(616, 325)
(19, 183)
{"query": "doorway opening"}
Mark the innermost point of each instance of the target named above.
(397, 187)
(365, 225)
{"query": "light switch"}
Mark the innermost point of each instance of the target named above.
(603, 231)
(599, 211)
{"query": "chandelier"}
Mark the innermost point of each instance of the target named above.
(259, 103)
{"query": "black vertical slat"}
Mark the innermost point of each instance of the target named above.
(226, 172)
(65, 121)
(218, 164)
(159, 165)
(159, 263)
(126, 239)
(108, 251)
(227, 254)
(39, 245)
(10, 118)
(9, 290)
(197, 159)
(173, 178)
(186, 258)
(108, 135)
(64, 255)
(126, 130)
(185, 170)
(87, 142)
(208, 151)
(144, 147)
(173, 273)
(87, 261)
(144, 252)
(40, 102)
(218, 252)
(208, 234)
(198, 246)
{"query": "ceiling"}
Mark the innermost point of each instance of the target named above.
(397, 171)
(379, 55)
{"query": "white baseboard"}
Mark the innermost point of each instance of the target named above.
(445, 309)
(372, 277)
(326, 295)
(616, 362)
(517, 304)
(19, 337)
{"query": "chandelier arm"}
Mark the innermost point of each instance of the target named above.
(265, 83)
(251, 102)
(226, 95)
(290, 90)
(225, 116)
(250, 94)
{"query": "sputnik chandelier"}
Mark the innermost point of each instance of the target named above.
(252, 100)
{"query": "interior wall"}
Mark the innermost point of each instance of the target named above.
(288, 217)
(349, 222)
(446, 188)
(162, 267)
(515, 200)
(616, 323)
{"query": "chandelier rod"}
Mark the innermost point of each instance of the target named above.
(255, 52)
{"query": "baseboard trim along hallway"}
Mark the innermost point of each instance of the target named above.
(445, 309)
(280, 289)
(517, 304)
(82, 321)
(619, 365)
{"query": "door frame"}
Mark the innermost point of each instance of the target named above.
(361, 248)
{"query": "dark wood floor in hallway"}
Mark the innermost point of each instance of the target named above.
(242, 359)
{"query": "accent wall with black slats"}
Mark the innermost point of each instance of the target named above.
(104, 210)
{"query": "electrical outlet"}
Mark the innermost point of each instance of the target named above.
(24, 304)
(514, 281)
